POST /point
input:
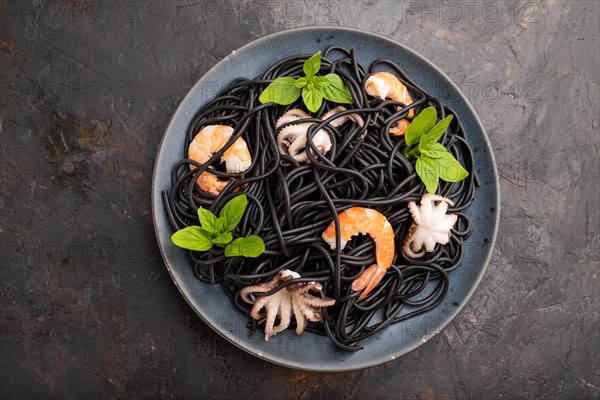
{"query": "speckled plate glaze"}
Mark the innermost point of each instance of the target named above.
(309, 351)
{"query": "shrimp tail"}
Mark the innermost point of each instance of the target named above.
(368, 280)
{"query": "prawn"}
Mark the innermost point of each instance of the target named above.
(361, 220)
(208, 141)
(386, 85)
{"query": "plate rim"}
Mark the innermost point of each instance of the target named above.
(157, 202)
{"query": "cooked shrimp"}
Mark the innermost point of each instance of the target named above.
(208, 141)
(386, 85)
(361, 220)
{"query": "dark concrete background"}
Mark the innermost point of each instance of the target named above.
(88, 309)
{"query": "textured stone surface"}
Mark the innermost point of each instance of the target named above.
(87, 308)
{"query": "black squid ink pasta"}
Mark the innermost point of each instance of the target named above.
(290, 204)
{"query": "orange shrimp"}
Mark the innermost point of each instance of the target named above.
(361, 220)
(386, 85)
(208, 141)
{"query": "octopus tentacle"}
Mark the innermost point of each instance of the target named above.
(285, 316)
(303, 288)
(246, 292)
(272, 308)
(258, 305)
(300, 319)
(317, 302)
(428, 197)
(414, 212)
(408, 251)
(290, 116)
(340, 120)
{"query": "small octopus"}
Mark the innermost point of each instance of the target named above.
(431, 225)
(292, 138)
(292, 298)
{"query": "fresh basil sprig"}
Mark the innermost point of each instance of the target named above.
(216, 231)
(434, 161)
(314, 89)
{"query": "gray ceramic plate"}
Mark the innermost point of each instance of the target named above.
(309, 351)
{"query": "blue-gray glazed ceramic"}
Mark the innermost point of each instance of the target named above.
(309, 351)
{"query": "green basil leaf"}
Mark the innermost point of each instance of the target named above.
(209, 234)
(220, 225)
(311, 82)
(251, 246)
(192, 238)
(223, 239)
(232, 212)
(420, 125)
(426, 169)
(436, 150)
(336, 90)
(438, 130)
(207, 220)
(424, 144)
(301, 82)
(281, 91)
(312, 98)
(320, 81)
(449, 169)
(411, 152)
(312, 65)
